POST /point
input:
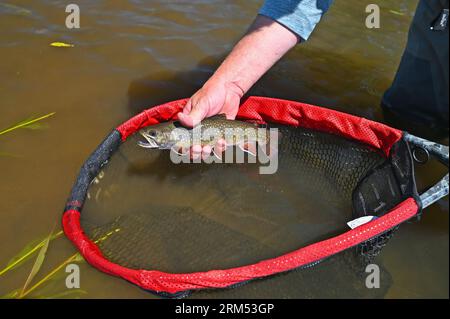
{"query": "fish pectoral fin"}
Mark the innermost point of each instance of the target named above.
(177, 150)
(185, 150)
(249, 147)
(218, 155)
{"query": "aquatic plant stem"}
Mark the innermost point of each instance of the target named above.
(49, 275)
(38, 263)
(73, 258)
(32, 251)
(27, 123)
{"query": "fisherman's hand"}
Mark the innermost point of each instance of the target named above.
(213, 98)
(264, 44)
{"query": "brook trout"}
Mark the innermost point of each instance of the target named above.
(172, 135)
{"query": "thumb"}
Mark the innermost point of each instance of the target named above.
(195, 116)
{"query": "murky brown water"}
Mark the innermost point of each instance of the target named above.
(130, 55)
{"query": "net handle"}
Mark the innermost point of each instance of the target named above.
(441, 153)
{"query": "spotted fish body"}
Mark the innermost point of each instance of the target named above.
(172, 135)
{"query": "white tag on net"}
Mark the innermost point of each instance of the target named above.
(360, 221)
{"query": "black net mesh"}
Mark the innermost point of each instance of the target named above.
(384, 187)
(147, 213)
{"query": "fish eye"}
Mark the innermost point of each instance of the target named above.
(152, 133)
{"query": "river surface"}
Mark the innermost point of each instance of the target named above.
(130, 55)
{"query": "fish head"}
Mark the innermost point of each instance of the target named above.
(160, 136)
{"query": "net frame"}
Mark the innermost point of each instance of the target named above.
(260, 110)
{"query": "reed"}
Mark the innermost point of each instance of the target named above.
(30, 123)
(27, 253)
(40, 248)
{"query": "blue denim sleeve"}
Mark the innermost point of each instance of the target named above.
(300, 16)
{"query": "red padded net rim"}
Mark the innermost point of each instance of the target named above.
(261, 110)
(172, 283)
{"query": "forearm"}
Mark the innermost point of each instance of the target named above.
(263, 45)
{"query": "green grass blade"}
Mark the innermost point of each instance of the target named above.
(38, 263)
(13, 9)
(68, 293)
(11, 295)
(397, 12)
(27, 253)
(50, 274)
(29, 123)
(74, 258)
(6, 154)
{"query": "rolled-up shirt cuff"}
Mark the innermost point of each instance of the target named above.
(299, 16)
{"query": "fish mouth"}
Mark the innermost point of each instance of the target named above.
(150, 141)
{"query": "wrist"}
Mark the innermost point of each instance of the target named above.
(232, 87)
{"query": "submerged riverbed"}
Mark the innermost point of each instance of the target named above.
(130, 55)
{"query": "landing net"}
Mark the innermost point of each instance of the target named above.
(176, 228)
